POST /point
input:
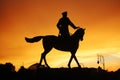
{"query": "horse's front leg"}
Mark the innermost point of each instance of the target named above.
(73, 56)
(76, 61)
(70, 61)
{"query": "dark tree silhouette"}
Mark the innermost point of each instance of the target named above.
(7, 71)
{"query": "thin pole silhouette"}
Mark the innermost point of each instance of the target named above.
(100, 59)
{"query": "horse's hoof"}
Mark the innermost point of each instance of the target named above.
(69, 66)
(40, 66)
(47, 66)
(79, 66)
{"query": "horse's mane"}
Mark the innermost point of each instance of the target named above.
(79, 31)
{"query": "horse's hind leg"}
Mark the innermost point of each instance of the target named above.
(47, 45)
(43, 56)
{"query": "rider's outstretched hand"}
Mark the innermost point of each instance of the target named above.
(77, 27)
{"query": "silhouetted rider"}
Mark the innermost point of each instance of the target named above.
(63, 24)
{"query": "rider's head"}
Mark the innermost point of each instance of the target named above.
(64, 14)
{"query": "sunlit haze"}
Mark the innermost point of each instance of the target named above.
(29, 18)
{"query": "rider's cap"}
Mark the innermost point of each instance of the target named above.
(64, 13)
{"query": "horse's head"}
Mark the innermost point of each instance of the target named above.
(80, 33)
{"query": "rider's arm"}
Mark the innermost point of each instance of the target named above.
(59, 24)
(71, 24)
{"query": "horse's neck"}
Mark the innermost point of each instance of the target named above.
(75, 38)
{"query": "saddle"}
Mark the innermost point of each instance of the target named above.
(64, 39)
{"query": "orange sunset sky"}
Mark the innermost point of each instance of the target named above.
(29, 18)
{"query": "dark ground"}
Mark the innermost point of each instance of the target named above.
(7, 72)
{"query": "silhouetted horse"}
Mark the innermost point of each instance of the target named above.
(64, 44)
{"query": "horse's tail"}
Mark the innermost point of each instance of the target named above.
(34, 39)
